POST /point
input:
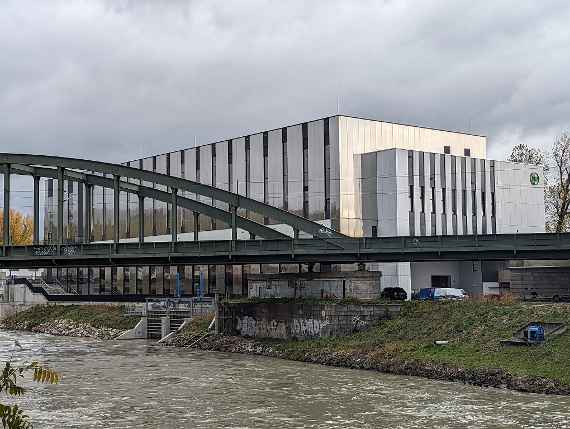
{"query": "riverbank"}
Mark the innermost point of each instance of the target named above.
(93, 321)
(405, 346)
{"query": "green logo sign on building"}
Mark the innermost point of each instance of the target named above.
(534, 178)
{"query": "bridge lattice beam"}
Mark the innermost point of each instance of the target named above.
(298, 223)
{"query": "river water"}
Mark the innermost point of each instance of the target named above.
(137, 384)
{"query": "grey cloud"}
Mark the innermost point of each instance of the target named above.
(120, 80)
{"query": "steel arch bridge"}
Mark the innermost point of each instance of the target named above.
(119, 179)
(326, 245)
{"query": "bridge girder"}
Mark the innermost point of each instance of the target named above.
(348, 250)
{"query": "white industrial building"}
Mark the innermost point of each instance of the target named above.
(416, 193)
(361, 177)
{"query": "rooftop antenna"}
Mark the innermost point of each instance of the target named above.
(338, 105)
(195, 140)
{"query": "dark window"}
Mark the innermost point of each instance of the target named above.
(411, 195)
(464, 202)
(230, 165)
(467, 152)
(265, 144)
(327, 164)
(50, 188)
(305, 135)
(212, 220)
(285, 169)
(443, 201)
(433, 200)
(473, 203)
(265, 173)
(410, 167)
(423, 198)
(454, 201)
(374, 231)
(483, 204)
(441, 281)
(247, 167)
(493, 207)
(447, 150)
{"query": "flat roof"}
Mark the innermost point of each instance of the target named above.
(307, 122)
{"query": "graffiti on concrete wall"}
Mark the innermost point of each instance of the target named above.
(307, 328)
(250, 327)
(294, 328)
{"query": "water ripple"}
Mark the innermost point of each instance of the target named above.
(138, 384)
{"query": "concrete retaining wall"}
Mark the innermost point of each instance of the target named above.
(361, 285)
(299, 320)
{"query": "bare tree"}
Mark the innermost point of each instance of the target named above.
(557, 199)
(556, 165)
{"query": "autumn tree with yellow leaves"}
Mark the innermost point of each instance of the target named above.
(21, 228)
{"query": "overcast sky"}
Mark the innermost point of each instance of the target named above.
(118, 80)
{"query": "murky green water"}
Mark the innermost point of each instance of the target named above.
(141, 385)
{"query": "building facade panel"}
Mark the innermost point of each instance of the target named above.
(294, 169)
(256, 172)
(316, 170)
(204, 175)
(275, 168)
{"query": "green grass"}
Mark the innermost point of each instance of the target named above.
(473, 329)
(98, 316)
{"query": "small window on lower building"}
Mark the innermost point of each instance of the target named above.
(374, 231)
(467, 152)
(447, 150)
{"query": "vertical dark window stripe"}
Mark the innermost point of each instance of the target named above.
(183, 175)
(327, 167)
(230, 166)
(305, 134)
(153, 200)
(265, 172)
(168, 207)
(285, 169)
(247, 169)
(212, 220)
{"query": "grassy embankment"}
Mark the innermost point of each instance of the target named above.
(474, 330)
(97, 316)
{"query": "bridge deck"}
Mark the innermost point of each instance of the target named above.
(335, 250)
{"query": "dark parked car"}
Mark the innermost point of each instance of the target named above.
(394, 293)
